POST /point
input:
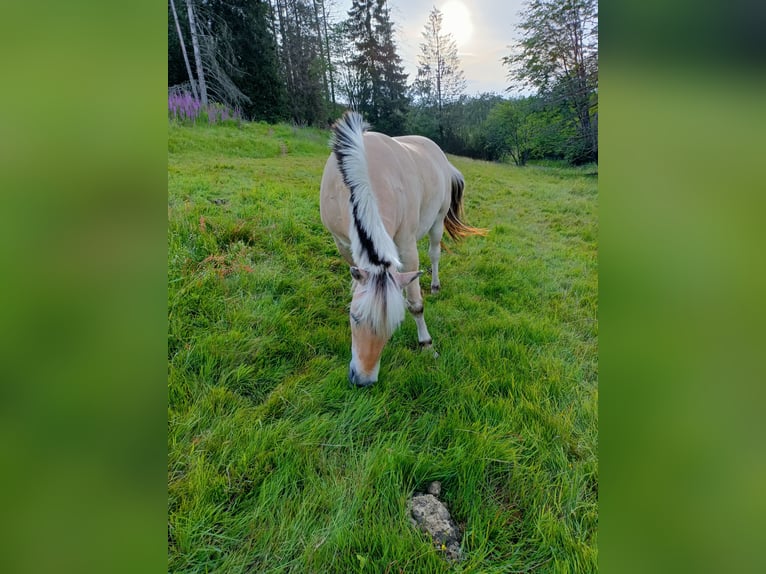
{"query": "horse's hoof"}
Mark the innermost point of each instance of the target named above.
(429, 346)
(435, 289)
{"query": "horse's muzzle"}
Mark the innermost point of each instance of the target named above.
(356, 380)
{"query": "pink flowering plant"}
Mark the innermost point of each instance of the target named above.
(184, 108)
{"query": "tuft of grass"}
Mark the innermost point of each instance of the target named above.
(276, 465)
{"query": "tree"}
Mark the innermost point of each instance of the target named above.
(377, 68)
(558, 56)
(183, 50)
(342, 55)
(467, 133)
(219, 55)
(304, 65)
(324, 49)
(510, 129)
(440, 81)
(197, 53)
(254, 65)
(238, 53)
(214, 54)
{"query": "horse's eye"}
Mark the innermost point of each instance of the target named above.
(355, 318)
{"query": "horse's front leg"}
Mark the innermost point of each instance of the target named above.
(410, 262)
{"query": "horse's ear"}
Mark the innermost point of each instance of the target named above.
(359, 275)
(404, 279)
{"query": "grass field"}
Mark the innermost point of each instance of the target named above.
(276, 465)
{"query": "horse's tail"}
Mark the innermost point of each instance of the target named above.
(453, 221)
(371, 245)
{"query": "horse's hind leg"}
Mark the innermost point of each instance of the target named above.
(434, 252)
(410, 262)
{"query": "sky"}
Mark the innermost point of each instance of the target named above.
(483, 29)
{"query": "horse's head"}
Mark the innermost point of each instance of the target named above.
(377, 309)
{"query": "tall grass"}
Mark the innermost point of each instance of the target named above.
(276, 465)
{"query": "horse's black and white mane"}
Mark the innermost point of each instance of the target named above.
(380, 302)
(373, 245)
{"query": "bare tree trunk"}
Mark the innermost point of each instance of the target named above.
(287, 63)
(183, 49)
(274, 31)
(439, 72)
(325, 61)
(329, 58)
(197, 54)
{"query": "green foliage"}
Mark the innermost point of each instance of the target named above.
(525, 129)
(303, 62)
(559, 42)
(274, 464)
(494, 128)
(464, 126)
(558, 56)
(510, 130)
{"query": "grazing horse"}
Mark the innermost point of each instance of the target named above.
(379, 196)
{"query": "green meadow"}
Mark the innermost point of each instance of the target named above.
(276, 465)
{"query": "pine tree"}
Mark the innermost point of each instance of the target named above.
(382, 83)
(393, 89)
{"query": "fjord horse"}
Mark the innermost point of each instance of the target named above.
(378, 197)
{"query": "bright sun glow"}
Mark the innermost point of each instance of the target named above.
(457, 21)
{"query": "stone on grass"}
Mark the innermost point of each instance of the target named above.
(431, 515)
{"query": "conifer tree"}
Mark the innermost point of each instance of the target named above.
(382, 82)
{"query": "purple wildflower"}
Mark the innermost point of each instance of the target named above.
(182, 107)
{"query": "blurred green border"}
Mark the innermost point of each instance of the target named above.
(83, 134)
(682, 281)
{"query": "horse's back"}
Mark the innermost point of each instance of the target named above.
(410, 177)
(425, 149)
(389, 167)
(435, 174)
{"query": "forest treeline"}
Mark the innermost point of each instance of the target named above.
(304, 61)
